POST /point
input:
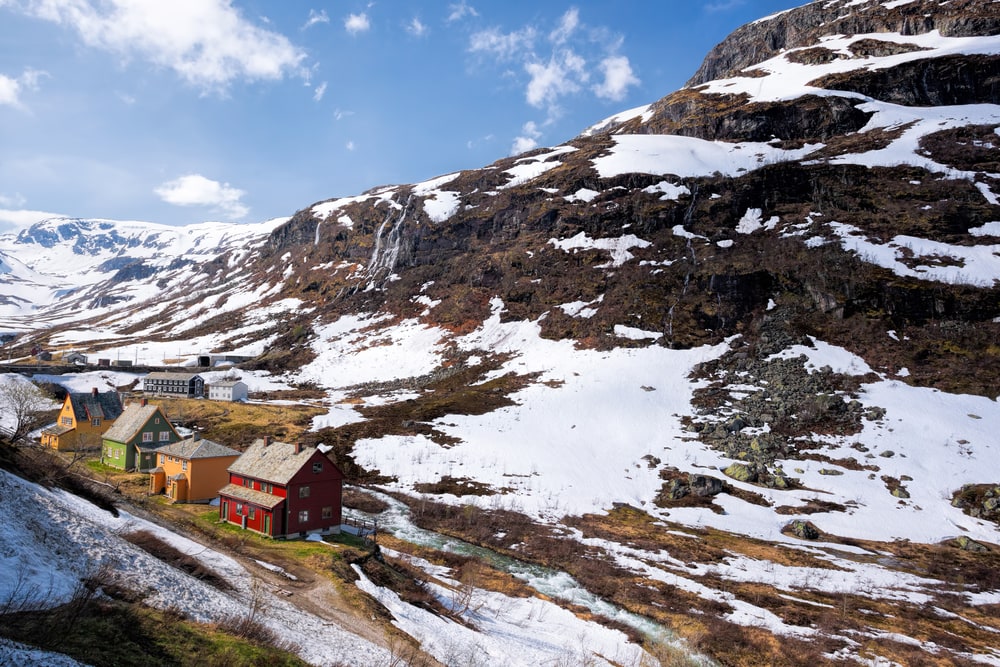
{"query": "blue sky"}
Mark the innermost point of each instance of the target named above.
(243, 110)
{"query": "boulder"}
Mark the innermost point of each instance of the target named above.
(804, 529)
(968, 544)
(741, 472)
(704, 485)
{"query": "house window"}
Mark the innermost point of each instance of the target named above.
(156, 421)
(252, 508)
(328, 512)
(239, 509)
(163, 459)
(303, 492)
(318, 467)
(164, 436)
(303, 516)
(96, 421)
(247, 482)
(67, 421)
(184, 465)
(147, 436)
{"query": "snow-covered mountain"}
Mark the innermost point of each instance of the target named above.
(68, 269)
(765, 305)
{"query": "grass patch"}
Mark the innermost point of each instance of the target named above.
(127, 634)
(237, 424)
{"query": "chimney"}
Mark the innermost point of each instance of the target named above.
(195, 437)
(94, 392)
(267, 440)
(143, 402)
(298, 447)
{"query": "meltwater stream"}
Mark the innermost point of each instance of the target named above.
(552, 583)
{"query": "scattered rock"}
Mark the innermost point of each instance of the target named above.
(968, 544)
(803, 529)
(741, 472)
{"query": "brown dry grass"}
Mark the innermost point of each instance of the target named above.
(238, 424)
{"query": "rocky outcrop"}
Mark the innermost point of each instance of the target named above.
(803, 26)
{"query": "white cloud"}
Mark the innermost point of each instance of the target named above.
(504, 46)
(11, 88)
(355, 23)
(14, 218)
(561, 76)
(416, 28)
(196, 190)
(460, 10)
(339, 114)
(207, 43)
(316, 17)
(16, 200)
(349, 145)
(319, 92)
(618, 77)
(567, 26)
(10, 92)
(561, 66)
(528, 139)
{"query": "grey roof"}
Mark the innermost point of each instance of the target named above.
(276, 462)
(268, 500)
(88, 405)
(131, 422)
(198, 449)
(57, 429)
(186, 377)
(228, 383)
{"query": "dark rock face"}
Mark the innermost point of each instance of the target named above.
(731, 118)
(943, 81)
(802, 26)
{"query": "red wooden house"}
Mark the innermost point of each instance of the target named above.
(283, 490)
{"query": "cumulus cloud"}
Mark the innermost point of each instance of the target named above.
(504, 46)
(196, 190)
(316, 17)
(207, 43)
(528, 139)
(618, 78)
(349, 145)
(559, 62)
(319, 92)
(11, 88)
(562, 75)
(568, 24)
(460, 10)
(416, 28)
(10, 92)
(356, 23)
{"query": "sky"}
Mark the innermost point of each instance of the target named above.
(247, 110)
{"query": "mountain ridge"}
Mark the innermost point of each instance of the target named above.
(761, 312)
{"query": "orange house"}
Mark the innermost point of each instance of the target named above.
(83, 420)
(192, 470)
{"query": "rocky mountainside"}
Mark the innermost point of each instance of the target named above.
(765, 305)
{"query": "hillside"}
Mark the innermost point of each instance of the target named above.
(729, 359)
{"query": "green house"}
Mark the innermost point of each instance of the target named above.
(132, 442)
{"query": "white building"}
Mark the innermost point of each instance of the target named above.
(227, 391)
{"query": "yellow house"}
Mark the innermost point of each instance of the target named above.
(83, 420)
(192, 470)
